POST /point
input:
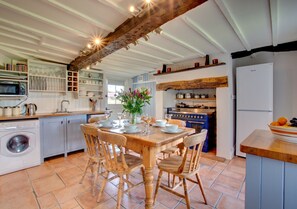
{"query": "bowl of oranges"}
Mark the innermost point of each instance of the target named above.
(284, 129)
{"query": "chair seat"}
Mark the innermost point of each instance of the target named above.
(172, 164)
(132, 162)
(170, 150)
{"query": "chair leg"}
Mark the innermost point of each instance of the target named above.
(102, 187)
(201, 187)
(158, 185)
(85, 171)
(120, 192)
(96, 176)
(168, 175)
(186, 193)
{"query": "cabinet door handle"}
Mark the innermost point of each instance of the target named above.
(68, 121)
(61, 122)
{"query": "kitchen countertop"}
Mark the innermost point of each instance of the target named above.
(264, 144)
(45, 115)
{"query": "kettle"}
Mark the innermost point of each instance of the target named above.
(31, 109)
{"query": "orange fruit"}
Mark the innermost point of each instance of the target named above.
(274, 123)
(282, 121)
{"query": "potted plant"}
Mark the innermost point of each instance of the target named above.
(134, 101)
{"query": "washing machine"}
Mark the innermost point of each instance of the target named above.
(19, 145)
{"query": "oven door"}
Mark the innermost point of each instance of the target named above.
(198, 126)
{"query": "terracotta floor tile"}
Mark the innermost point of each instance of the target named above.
(129, 201)
(111, 203)
(209, 162)
(167, 199)
(12, 177)
(87, 201)
(229, 182)
(14, 182)
(47, 201)
(60, 164)
(238, 161)
(71, 176)
(219, 166)
(209, 177)
(227, 202)
(40, 171)
(70, 204)
(25, 200)
(226, 190)
(70, 192)
(47, 184)
(183, 205)
(236, 169)
(234, 175)
(196, 199)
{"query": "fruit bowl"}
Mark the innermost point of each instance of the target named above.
(285, 133)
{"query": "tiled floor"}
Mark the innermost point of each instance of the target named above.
(54, 185)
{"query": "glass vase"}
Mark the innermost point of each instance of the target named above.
(133, 118)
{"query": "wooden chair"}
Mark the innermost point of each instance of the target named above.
(96, 157)
(172, 150)
(96, 119)
(117, 162)
(184, 167)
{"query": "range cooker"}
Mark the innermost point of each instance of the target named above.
(198, 119)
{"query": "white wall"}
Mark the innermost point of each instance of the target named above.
(285, 79)
(225, 103)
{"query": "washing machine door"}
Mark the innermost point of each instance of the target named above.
(17, 143)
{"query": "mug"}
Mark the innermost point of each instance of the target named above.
(215, 61)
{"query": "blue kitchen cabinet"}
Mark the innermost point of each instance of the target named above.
(61, 135)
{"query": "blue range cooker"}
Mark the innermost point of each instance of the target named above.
(203, 120)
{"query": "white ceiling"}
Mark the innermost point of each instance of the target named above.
(58, 29)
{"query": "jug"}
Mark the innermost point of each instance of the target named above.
(31, 109)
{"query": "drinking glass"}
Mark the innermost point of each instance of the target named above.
(107, 114)
(120, 117)
(168, 117)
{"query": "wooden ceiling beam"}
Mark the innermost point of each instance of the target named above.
(135, 28)
(201, 83)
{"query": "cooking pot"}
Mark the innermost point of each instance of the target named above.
(188, 96)
(31, 109)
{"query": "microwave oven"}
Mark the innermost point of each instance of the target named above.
(13, 88)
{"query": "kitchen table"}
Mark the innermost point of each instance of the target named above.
(149, 146)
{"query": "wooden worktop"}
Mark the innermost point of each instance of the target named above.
(264, 144)
(44, 115)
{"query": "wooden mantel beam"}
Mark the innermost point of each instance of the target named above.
(134, 28)
(202, 83)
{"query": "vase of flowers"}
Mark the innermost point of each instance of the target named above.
(134, 101)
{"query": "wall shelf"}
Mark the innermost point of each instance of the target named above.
(188, 69)
(200, 99)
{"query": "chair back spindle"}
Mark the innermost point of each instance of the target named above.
(91, 138)
(114, 159)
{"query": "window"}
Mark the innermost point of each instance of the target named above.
(112, 90)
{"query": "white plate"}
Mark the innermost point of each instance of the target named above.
(179, 130)
(156, 125)
(132, 131)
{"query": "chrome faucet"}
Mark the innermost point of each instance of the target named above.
(62, 102)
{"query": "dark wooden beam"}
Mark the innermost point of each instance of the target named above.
(202, 83)
(134, 28)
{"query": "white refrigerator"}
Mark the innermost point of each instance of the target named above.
(254, 100)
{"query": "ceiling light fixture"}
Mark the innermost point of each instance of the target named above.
(148, 1)
(97, 41)
(132, 9)
(89, 45)
(88, 67)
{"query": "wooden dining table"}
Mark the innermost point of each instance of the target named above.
(149, 146)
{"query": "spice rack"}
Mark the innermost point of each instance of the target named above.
(72, 81)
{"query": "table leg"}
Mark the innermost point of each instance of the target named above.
(149, 160)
